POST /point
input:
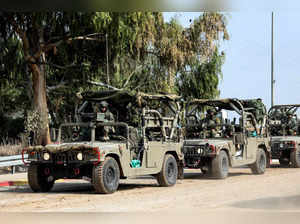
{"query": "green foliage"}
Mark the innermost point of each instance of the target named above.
(145, 54)
(202, 79)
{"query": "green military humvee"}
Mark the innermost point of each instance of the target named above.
(144, 139)
(284, 131)
(214, 143)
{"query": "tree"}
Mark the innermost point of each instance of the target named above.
(185, 52)
(53, 55)
(40, 33)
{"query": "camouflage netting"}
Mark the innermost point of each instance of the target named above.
(125, 97)
(254, 106)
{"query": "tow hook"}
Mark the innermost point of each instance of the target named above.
(76, 171)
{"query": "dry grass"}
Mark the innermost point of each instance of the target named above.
(10, 147)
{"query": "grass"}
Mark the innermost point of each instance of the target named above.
(9, 147)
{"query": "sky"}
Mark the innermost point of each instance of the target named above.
(247, 68)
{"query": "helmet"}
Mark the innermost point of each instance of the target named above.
(212, 110)
(103, 104)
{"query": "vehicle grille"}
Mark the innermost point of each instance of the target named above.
(193, 151)
(276, 146)
(65, 157)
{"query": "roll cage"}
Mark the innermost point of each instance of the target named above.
(245, 108)
(158, 113)
(277, 118)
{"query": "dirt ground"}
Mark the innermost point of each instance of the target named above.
(278, 189)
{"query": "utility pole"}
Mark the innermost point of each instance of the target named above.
(272, 62)
(107, 67)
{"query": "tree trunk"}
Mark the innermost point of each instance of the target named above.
(40, 102)
(171, 79)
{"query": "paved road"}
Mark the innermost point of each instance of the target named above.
(277, 190)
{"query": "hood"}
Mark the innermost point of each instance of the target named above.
(77, 146)
(285, 138)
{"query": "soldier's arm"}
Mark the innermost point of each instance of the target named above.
(111, 117)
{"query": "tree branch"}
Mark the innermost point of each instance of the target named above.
(22, 35)
(59, 66)
(103, 85)
(60, 85)
(127, 81)
(49, 46)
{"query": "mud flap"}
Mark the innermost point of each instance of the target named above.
(180, 175)
(269, 160)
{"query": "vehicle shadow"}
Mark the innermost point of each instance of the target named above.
(200, 175)
(280, 166)
(281, 203)
(77, 188)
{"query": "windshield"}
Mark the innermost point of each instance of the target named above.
(283, 120)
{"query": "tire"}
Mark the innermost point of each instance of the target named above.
(259, 166)
(219, 166)
(284, 162)
(106, 176)
(37, 181)
(295, 158)
(168, 175)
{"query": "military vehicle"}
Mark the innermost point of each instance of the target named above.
(143, 138)
(214, 143)
(284, 131)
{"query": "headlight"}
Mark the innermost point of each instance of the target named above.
(79, 156)
(46, 156)
(281, 145)
(199, 151)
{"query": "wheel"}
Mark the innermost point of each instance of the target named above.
(259, 166)
(37, 180)
(106, 176)
(284, 162)
(219, 166)
(295, 158)
(168, 175)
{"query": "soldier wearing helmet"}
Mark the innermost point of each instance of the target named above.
(291, 124)
(211, 122)
(108, 117)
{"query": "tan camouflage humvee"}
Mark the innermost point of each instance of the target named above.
(215, 142)
(285, 134)
(142, 138)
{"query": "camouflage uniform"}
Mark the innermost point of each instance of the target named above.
(133, 115)
(259, 110)
(210, 122)
(291, 124)
(109, 117)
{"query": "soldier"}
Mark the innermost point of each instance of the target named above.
(109, 117)
(210, 122)
(133, 115)
(291, 124)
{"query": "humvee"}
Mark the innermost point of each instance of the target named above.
(284, 131)
(144, 139)
(213, 147)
